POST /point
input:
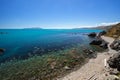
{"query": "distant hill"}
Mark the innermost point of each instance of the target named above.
(33, 28)
(114, 31)
(103, 27)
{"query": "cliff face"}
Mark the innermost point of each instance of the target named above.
(114, 31)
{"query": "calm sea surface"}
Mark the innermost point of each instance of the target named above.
(21, 43)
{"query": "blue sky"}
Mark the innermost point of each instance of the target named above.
(58, 13)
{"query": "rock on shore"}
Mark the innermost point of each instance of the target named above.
(93, 35)
(116, 45)
(100, 43)
(114, 61)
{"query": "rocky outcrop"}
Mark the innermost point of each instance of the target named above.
(116, 45)
(100, 42)
(114, 61)
(102, 33)
(93, 34)
(96, 42)
(104, 44)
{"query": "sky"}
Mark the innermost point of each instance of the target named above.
(58, 14)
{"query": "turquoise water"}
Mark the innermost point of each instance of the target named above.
(21, 43)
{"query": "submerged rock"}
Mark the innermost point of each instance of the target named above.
(3, 33)
(67, 68)
(2, 50)
(93, 34)
(88, 51)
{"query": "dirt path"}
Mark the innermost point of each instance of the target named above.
(95, 69)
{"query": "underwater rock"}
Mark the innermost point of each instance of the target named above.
(93, 34)
(53, 64)
(2, 50)
(67, 68)
(3, 33)
(88, 51)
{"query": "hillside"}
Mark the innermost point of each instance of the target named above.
(114, 31)
(103, 27)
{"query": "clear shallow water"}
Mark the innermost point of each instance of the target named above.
(21, 43)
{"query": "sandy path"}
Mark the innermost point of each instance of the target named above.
(94, 69)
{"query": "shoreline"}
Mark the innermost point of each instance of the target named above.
(95, 68)
(53, 67)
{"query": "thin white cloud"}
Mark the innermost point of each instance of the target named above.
(109, 23)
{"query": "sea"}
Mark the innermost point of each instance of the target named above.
(23, 43)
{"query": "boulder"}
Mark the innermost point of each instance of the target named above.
(67, 68)
(114, 61)
(115, 45)
(102, 33)
(104, 45)
(93, 34)
(96, 42)
(112, 77)
(113, 72)
(118, 67)
(100, 43)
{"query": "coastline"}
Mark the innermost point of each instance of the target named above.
(95, 68)
(56, 66)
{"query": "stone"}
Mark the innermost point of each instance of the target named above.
(112, 77)
(67, 68)
(53, 64)
(2, 50)
(104, 45)
(114, 72)
(96, 42)
(114, 61)
(100, 43)
(115, 45)
(88, 51)
(102, 32)
(93, 34)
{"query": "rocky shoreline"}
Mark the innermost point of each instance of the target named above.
(56, 65)
(106, 70)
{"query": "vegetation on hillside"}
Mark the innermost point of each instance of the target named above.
(114, 31)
